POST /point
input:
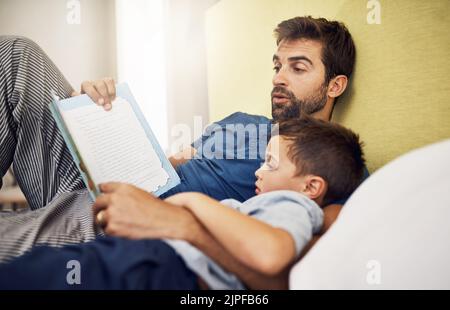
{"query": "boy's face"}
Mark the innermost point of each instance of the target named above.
(278, 172)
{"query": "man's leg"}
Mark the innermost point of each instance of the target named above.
(106, 263)
(29, 137)
(67, 219)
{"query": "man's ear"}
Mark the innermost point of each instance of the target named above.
(315, 187)
(337, 86)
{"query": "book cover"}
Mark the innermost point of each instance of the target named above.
(113, 146)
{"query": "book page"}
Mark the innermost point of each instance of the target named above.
(114, 146)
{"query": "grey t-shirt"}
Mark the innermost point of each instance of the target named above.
(293, 212)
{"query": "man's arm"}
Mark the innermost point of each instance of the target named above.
(131, 213)
(182, 157)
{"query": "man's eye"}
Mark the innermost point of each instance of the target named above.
(276, 68)
(298, 70)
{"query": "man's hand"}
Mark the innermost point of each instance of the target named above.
(102, 92)
(132, 213)
(182, 157)
(126, 211)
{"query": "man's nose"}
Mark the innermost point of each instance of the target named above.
(279, 79)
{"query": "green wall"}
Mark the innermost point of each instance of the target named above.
(398, 98)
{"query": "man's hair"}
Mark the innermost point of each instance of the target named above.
(327, 150)
(338, 48)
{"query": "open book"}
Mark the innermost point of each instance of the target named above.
(113, 146)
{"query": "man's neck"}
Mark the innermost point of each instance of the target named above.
(326, 112)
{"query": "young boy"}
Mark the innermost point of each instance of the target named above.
(308, 164)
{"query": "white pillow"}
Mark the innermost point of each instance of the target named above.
(393, 233)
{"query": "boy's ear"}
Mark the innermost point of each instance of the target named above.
(315, 187)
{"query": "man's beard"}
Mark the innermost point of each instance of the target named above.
(295, 107)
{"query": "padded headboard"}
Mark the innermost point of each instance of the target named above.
(399, 96)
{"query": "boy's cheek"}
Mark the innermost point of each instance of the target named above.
(265, 186)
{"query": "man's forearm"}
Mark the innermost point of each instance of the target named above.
(182, 157)
(206, 243)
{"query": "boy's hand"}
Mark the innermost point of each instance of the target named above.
(102, 91)
(127, 211)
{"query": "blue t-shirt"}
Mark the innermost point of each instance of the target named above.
(228, 154)
(222, 169)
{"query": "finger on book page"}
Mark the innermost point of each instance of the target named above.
(102, 89)
(109, 187)
(110, 84)
(89, 89)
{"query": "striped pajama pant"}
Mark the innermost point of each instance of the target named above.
(30, 141)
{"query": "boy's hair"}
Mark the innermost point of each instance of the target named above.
(338, 48)
(325, 149)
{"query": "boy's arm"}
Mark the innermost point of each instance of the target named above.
(205, 242)
(265, 249)
(132, 213)
(252, 279)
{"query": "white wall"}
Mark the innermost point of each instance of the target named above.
(81, 51)
(186, 63)
(141, 59)
(121, 38)
(161, 53)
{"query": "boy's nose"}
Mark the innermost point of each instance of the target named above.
(258, 173)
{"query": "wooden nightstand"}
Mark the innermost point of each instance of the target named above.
(12, 199)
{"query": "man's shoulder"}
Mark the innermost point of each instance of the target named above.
(244, 119)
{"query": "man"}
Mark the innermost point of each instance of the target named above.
(309, 163)
(314, 60)
(313, 63)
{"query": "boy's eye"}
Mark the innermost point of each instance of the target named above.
(267, 166)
